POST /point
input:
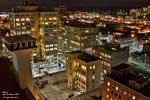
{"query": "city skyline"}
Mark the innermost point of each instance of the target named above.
(72, 4)
(75, 50)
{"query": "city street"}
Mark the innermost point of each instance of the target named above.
(139, 65)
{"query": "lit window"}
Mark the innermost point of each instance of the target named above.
(77, 64)
(93, 77)
(108, 64)
(55, 48)
(109, 56)
(54, 18)
(93, 66)
(86, 31)
(83, 67)
(27, 19)
(133, 97)
(105, 72)
(22, 19)
(108, 83)
(125, 92)
(107, 96)
(46, 23)
(47, 45)
(51, 45)
(17, 19)
(17, 24)
(90, 67)
(47, 49)
(116, 88)
(108, 89)
(48, 57)
(102, 78)
(51, 49)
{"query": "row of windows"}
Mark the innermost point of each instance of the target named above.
(51, 45)
(50, 49)
(105, 55)
(120, 91)
(105, 63)
(23, 32)
(22, 19)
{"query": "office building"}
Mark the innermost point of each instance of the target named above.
(83, 71)
(79, 36)
(110, 56)
(42, 24)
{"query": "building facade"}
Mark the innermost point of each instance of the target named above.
(79, 36)
(124, 84)
(83, 71)
(41, 24)
(110, 55)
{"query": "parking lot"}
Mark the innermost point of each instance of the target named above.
(56, 89)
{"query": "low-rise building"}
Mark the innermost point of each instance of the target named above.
(125, 84)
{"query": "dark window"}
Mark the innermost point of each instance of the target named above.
(112, 92)
(116, 94)
(119, 97)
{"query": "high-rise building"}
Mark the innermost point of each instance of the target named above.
(83, 71)
(21, 47)
(110, 56)
(42, 24)
(124, 83)
(79, 36)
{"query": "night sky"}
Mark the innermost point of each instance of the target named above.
(8, 4)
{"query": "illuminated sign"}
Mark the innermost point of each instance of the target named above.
(21, 45)
(20, 42)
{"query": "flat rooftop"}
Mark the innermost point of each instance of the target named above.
(80, 24)
(110, 48)
(19, 38)
(88, 57)
(84, 56)
(74, 52)
(121, 67)
(147, 44)
(132, 76)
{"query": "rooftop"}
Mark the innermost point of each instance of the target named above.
(19, 38)
(76, 23)
(148, 44)
(110, 47)
(74, 52)
(29, 6)
(121, 67)
(84, 56)
(131, 76)
(88, 57)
